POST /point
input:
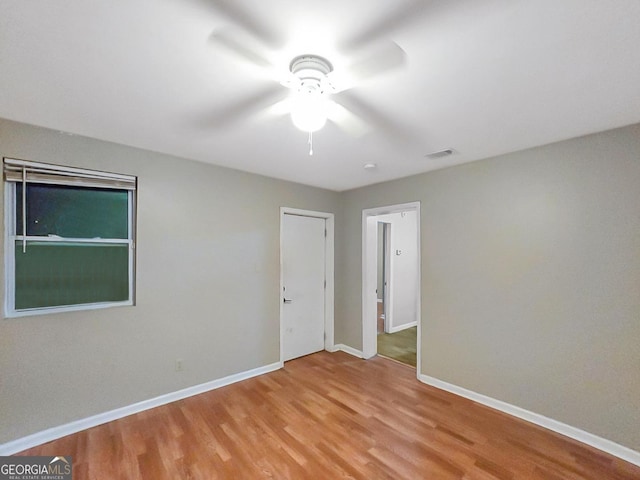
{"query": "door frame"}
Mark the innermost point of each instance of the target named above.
(386, 270)
(328, 274)
(369, 277)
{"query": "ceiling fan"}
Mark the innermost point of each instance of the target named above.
(311, 80)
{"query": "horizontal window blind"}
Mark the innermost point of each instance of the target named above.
(34, 172)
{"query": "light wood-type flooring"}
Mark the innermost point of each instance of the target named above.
(330, 416)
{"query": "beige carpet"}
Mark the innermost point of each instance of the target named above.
(400, 346)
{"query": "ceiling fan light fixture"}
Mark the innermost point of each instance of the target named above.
(309, 111)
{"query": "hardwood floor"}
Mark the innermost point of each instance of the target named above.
(330, 416)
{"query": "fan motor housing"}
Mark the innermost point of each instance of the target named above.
(313, 63)
(312, 71)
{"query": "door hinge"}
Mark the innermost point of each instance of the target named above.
(325, 233)
(325, 284)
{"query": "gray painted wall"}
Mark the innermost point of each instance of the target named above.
(530, 274)
(207, 288)
(530, 278)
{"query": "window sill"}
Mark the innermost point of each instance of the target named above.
(66, 308)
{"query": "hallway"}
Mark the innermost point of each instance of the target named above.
(400, 346)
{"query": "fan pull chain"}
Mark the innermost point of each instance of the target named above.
(310, 144)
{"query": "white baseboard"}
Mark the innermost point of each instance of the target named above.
(399, 328)
(600, 443)
(347, 349)
(54, 433)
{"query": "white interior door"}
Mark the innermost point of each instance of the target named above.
(303, 273)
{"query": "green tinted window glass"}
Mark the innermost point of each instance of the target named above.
(73, 212)
(65, 273)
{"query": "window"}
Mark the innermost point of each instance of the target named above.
(69, 238)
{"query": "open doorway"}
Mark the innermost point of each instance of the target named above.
(391, 282)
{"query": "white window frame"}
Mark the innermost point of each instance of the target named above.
(11, 236)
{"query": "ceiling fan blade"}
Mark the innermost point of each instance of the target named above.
(389, 23)
(347, 120)
(388, 56)
(240, 110)
(230, 42)
(244, 19)
(283, 107)
(397, 132)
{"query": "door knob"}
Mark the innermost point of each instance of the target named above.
(287, 300)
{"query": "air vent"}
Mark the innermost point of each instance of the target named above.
(440, 153)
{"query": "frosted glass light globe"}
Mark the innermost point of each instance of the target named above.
(309, 110)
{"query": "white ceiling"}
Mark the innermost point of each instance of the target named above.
(484, 77)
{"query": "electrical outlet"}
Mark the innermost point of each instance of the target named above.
(179, 365)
